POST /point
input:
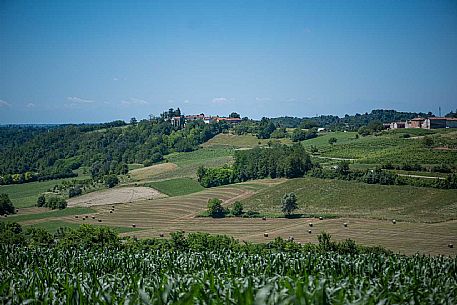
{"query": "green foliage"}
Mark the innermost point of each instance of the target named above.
(11, 234)
(73, 191)
(55, 203)
(215, 208)
(332, 140)
(265, 128)
(41, 201)
(289, 203)
(219, 270)
(176, 187)
(237, 209)
(210, 177)
(6, 206)
(111, 181)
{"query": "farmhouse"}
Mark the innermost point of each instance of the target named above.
(397, 125)
(228, 120)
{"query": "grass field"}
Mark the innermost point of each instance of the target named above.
(177, 186)
(23, 215)
(352, 199)
(26, 194)
(240, 141)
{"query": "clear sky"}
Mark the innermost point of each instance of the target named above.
(95, 61)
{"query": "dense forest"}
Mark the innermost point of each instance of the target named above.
(30, 153)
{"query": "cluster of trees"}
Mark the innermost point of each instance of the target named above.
(53, 202)
(301, 135)
(371, 128)
(440, 168)
(32, 153)
(379, 176)
(349, 122)
(277, 161)
(6, 206)
(216, 210)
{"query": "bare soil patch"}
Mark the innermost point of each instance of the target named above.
(116, 195)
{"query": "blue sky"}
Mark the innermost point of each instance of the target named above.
(96, 61)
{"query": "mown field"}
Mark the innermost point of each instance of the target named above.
(352, 199)
(134, 276)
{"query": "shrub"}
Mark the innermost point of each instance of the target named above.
(41, 201)
(111, 181)
(237, 209)
(75, 191)
(56, 203)
(6, 206)
(215, 208)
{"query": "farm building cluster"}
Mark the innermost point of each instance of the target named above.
(424, 123)
(178, 120)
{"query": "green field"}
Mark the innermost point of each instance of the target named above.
(177, 186)
(352, 199)
(240, 141)
(188, 163)
(26, 194)
(172, 275)
(390, 147)
(49, 214)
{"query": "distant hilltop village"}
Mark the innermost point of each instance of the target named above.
(177, 119)
(425, 123)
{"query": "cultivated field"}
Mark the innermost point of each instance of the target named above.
(115, 195)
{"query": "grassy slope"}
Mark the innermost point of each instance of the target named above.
(188, 163)
(352, 199)
(50, 214)
(388, 147)
(177, 186)
(25, 195)
(240, 141)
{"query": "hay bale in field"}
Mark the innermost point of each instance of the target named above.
(76, 216)
(161, 234)
(93, 217)
(265, 234)
(311, 224)
(133, 225)
(345, 224)
(309, 231)
(321, 218)
(264, 218)
(111, 211)
(450, 246)
(394, 221)
(99, 220)
(290, 238)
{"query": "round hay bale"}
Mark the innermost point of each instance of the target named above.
(133, 225)
(17, 210)
(345, 224)
(321, 218)
(264, 218)
(99, 220)
(291, 238)
(93, 217)
(161, 234)
(111, 212)
(265, 234)
(112, 207)
(76, 216)
(450, 246)
(394, 221)
(6, 215)
(309, 231)
(311, 224)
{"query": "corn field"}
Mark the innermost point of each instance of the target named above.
(141, 276)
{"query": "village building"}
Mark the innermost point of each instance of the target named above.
(397, 125)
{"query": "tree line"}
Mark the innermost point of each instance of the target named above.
(31, 154)
(257, 163)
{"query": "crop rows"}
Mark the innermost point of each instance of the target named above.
(142, 276)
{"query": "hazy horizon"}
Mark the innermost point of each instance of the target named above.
(87, 62)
